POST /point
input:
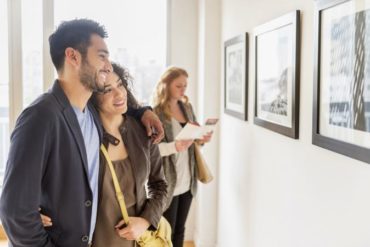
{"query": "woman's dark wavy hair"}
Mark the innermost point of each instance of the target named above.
(123, 74)
(127, 81)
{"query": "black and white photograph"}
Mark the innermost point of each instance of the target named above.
(275, 83)
(342, 88)
(236, 86)
(277, 74)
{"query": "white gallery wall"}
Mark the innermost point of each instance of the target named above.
(209, 61)
(183, 52)
(270, 190)
(275, 191)
(183, 40)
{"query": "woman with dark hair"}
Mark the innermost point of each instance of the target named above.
(137, 163)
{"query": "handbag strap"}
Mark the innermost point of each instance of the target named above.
(119, 194)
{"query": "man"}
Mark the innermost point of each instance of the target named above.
(53, 160)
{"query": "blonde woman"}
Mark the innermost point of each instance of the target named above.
(174, 110)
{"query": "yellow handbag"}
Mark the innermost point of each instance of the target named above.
(158, 238)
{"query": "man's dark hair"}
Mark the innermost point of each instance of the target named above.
(75, 34)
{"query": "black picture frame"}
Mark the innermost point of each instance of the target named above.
(236, 76)
(341, 120)
(277, 74)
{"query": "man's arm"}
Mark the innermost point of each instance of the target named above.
(21, 194)
(148, 118)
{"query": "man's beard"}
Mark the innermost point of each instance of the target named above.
(89, 77)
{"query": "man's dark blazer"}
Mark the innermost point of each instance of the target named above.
(47, 168)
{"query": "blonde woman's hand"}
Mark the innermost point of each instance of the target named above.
(134, 230)
(182, 145)
(206, 138)
(46, 220)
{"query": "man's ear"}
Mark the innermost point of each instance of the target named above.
(73, 57)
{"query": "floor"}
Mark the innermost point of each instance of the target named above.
(187, 244)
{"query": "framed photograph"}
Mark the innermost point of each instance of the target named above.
(277, 55)
(341, 104)
(236, 76)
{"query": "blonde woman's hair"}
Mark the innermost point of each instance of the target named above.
(161, 96)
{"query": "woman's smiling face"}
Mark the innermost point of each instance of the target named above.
(114, 99)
